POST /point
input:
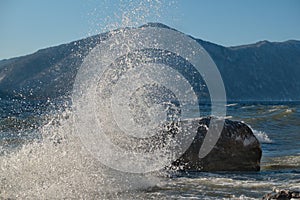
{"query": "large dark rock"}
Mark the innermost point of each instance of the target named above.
(282, 195)
(237, 149)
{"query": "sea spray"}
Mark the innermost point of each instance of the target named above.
(63, 165)
(60, 167)
(56, 164)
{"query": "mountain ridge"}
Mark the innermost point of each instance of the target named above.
(260, 71)
(161, 25)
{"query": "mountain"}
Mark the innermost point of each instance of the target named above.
(262, 71)
(48, 73)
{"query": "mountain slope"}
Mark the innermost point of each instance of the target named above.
(260, 71)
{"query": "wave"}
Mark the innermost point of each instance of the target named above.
(281, 109)
(227, 186)
(231, 104)
(261, 135)
(282, 162)
(289, 111)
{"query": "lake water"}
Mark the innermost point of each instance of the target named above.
(40, 158)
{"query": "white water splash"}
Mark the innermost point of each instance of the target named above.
(261, 136)
(58, 167)
(128, 13)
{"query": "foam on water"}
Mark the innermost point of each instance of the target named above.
(232, 104)
(283, 162)
(227, 186)
(261, 136)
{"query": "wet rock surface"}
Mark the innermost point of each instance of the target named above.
(237, 149)
(282, 195)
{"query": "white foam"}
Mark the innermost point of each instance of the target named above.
(273, 109)
(288, 110)
(2, 76)
(261, 135)
(231, 104)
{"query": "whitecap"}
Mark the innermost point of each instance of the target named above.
(231, 104)
(261, 135)
(273, 110)
(288, 110)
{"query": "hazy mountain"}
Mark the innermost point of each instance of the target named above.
(260, 71)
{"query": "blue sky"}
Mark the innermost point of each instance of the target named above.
(29, 25)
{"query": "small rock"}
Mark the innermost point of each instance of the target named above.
(282, 195)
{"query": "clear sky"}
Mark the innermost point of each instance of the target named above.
(29, 25)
